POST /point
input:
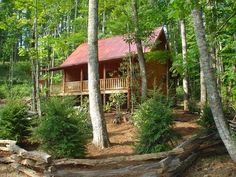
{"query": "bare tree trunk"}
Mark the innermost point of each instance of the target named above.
(212, 92)
(100, 135)
(37, 62)
(139, 50)
(52, 72)
(76, 9)
(68, 22)
(34, 106)
(11, 71)
(104, 19)
(203, 96)
(185, 74)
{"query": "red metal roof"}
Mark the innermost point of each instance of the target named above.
(108, 49)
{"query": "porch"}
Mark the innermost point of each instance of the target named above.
(107, 86)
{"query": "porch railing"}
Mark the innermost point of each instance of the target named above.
(109, 84)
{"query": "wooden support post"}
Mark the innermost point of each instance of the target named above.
(64, 81)
(128, 94)
(104, 78)
(104, 85)
(81, 85)
(81, 79)
(167, 79)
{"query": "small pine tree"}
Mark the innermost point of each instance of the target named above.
(62, 131)
(13, 121)
(154, 122)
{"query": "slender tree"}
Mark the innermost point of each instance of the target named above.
(212, 92)
(100, 135)
(139, 49)
(203, 94)
(38, 103)
(184, 54)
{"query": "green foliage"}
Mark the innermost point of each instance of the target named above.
(21, 72)
(161, 56)
(3, 92)
(115, 100)
(154, 122)
(193, 106)
(14, 123)
(179, 93)
(62, 131)
(20, 90)
(206, 120)
(17, 91)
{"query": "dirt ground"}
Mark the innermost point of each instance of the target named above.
(217, 166)
(122, 136)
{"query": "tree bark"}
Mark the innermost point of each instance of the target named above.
(139, 50)
(76, 9)
(212, 92)
(34, 106)
(185, 74)
(103, 21)
(118, 160)
(100, 135)
(203, 96)
(37, 62)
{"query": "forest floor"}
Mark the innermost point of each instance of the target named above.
(123, 136)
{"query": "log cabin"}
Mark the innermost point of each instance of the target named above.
(111, 52)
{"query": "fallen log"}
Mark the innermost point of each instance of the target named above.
(15, 149)
(5, 149)
(131, 170)
(210, 144)
(216, 150)
(40, 157)
(7, 142)
(28, 162)
(26, 170)
(116, 160)
(182, 166)
(6, 160)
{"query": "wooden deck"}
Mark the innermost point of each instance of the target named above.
(107, 86)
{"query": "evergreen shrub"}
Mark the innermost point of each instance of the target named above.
(14, 123)
(62, 130)
(3, 91)
(154, 122)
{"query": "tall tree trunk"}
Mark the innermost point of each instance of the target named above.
(212, 92)
(185, 74)
(104, 19)
(11, 71)
(52, 72)
(139, 49)
(100, 135)
(76, 10)
(34, 106)
(37, 62)
(203, 91)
